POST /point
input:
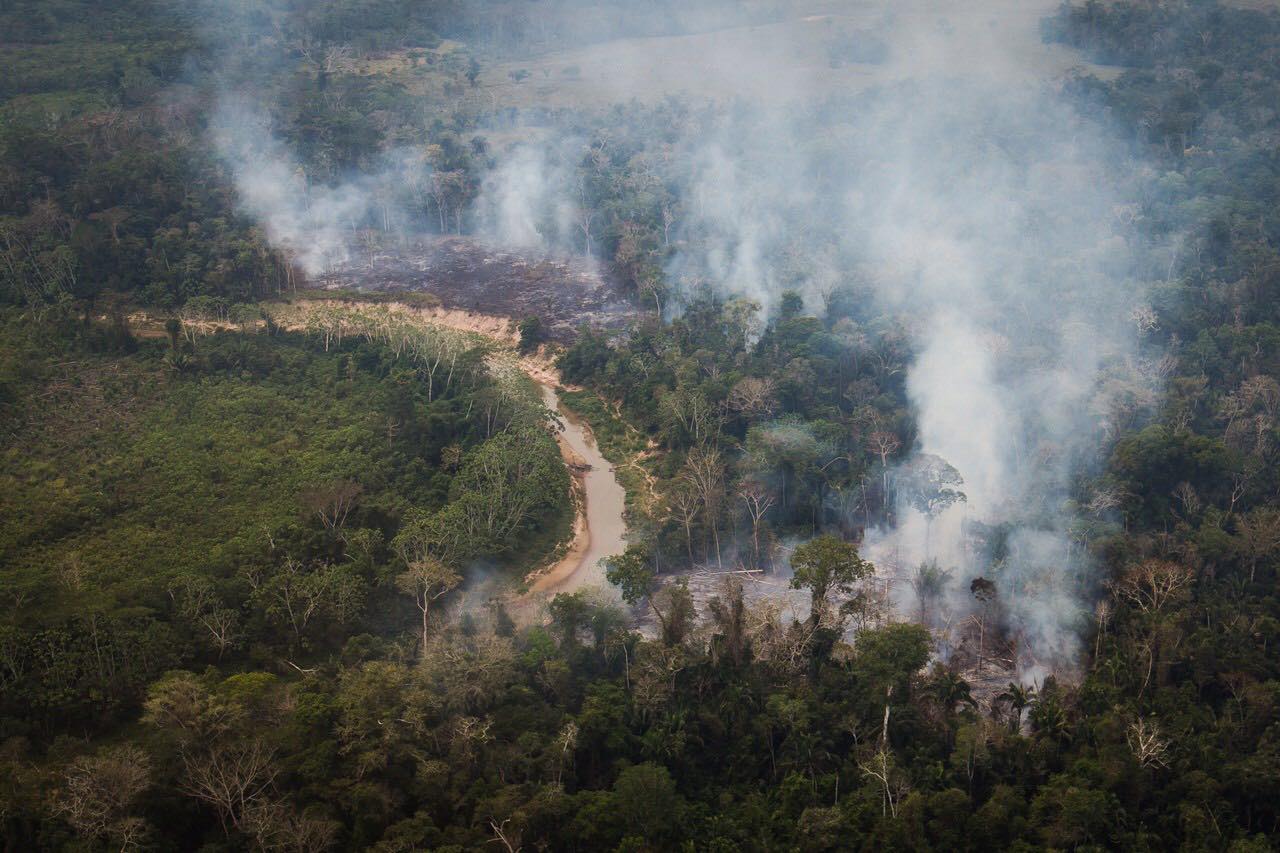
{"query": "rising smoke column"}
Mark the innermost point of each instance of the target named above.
(994, 222)
(526, 200)
(314, 224)
(982, 210)
(317, 217)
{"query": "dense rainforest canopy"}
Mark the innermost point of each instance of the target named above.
(263, 554)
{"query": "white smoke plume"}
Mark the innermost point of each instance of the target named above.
(526, 201)
(312, 225)
(934, 159)
(993, 224)
(979, 207)
(984, 216)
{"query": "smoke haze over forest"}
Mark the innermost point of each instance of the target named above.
(956, 187)
(572, 425)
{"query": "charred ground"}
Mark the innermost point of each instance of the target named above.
(565, 292)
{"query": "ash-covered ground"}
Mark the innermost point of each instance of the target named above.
(564, 292)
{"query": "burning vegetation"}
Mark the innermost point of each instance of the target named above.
(934, 344)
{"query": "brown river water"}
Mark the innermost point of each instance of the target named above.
(601, 528)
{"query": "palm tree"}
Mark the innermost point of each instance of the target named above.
(1049, 718)
(950, 690)
(1018, 697)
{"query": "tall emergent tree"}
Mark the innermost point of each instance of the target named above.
(827, 566)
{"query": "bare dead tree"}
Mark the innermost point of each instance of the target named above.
(1102, 614)
(892, 785)
(1149, 747)
(586, 216)
(275, 825)
(195, 598)
(427, 580)
(1186, 495)
(704, 470)
(987, 595)
(686, 504)
(753, 397)
(668, 219)
(567, 740)
(1152, 584)
(223, 626)
(1105, 500)
(98, 792)
(1259, 533)
(293, 591)
(471, 733)
(509, 839)
(885, 444)
(337, 59)
(232, 778)
(333, 502)
(652, 285)
(1240, 481)
(758, 500)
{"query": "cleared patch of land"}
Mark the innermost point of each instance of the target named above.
(464, 274)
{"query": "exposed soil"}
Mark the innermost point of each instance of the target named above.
(465, 274)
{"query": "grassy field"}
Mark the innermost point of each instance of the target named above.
(810, 48)
(806, 54)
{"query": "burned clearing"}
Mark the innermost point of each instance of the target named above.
(565, 292)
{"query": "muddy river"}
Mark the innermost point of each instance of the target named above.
(601, 529)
